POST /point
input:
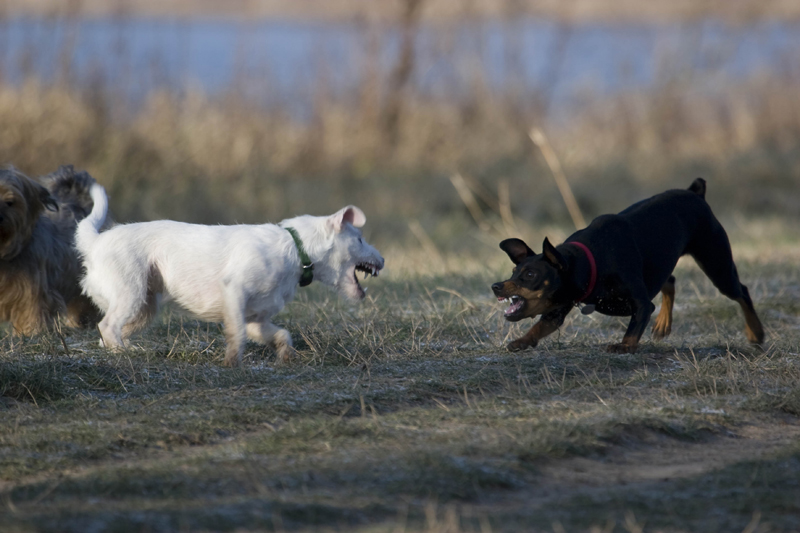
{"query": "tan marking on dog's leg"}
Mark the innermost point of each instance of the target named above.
(546, 325)
(531, 339)
(663, 324)
(642, 309)
(753, 328)
(629, 344)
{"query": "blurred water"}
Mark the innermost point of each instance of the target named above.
(291, 64)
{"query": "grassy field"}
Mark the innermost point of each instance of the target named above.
(405, 413)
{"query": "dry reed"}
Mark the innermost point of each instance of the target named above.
(230, 158)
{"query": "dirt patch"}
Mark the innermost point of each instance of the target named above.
(664, 458)
(629, 480)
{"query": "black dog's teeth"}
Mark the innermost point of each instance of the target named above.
(515, 303)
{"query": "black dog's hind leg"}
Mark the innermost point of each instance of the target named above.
(547, 324)
(753, 328)
(663, 324)
(713, 255)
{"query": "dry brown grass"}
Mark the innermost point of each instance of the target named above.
(391, 145)
(179, 156)
(406, 414)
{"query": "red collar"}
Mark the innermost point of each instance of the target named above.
(592, 265)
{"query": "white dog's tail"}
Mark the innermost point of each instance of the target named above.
(89, 227)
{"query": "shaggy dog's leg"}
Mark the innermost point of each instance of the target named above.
(81, 313)
(265, 332)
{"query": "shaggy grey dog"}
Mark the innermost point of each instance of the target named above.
(39, 268)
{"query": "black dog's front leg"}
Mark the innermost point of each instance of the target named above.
(547, 324)
(642, 309)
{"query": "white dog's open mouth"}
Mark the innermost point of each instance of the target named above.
(369, 269)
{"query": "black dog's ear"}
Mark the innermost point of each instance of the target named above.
(698, 187)
(554, 256)
(516, 249)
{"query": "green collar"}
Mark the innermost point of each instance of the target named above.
(308, 267)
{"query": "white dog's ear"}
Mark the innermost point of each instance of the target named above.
(350, 214)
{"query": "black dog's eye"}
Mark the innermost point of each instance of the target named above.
(530, 274)
(10, 203)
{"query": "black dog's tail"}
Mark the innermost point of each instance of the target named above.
(698, 187)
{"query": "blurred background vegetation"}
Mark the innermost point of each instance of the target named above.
(418, 111)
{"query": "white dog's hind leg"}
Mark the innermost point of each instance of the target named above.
(265, 332)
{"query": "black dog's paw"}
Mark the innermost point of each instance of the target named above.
(520, 345)
(621, 348)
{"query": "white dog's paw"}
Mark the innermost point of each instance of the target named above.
(283, 346)
(285, 353)
(232, 361)
(116, 348)
(233, 356)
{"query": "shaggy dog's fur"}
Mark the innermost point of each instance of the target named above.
(241, 275)
(39, 268)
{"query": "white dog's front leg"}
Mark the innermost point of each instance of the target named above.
(265, 332)
(235, 335)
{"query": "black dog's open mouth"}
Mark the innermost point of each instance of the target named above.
(369, 269)
(515, 307)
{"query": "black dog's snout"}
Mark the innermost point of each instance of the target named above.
(497, 287)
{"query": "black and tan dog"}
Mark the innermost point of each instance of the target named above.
(618, 264)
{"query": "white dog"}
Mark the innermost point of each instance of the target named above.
(240, 275)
